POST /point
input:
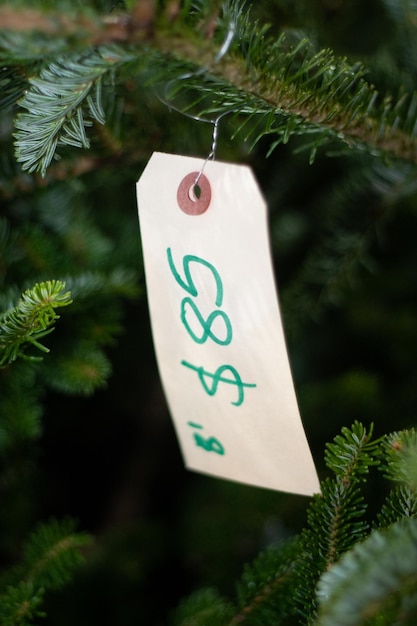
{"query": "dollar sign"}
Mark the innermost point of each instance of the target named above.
(218, 377)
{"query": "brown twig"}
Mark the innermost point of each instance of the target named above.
(122, 27)
(139, 26)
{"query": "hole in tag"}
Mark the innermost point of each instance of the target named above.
(192, 198)
(194, 193)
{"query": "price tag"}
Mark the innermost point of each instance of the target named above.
(216, 324)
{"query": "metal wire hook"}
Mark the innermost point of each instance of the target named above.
(230, 35)
(212, 153)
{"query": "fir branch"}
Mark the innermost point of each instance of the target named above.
(265, 590)
(53, 553)
(13, 82)
(336, 264)
(352, 452)
(335, 519)
(203, 608)
(20, 605)
(55, 102)
(31, 320)
(286, 89)
(20, 419)
(81, 370)
(376, 580)
(277, 87)
(92, 285)
(30, 33)
(400, 450)
(399, 504)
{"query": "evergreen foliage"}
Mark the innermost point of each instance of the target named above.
(205, 606)
(55, 101)
(375, 583)
(281, 87)
(264, 591)
(86, 90)
(339, 512)
(30, 320)
(51, 554)
(336, 572)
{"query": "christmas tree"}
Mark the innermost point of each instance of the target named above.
(100, 523)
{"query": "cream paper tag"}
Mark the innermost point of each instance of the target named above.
(217, 327)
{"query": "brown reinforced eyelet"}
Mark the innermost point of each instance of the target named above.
(186, 197)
